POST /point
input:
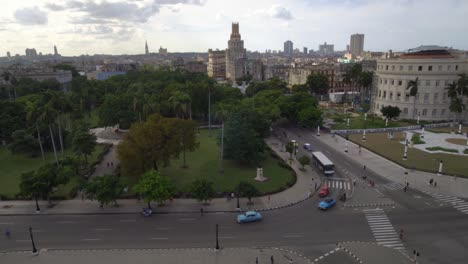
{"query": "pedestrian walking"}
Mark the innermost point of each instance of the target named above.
(315, 186)
(360, 150)
(272, 260)
(201, 211)
(7, 233)
(407, 184)
(268, 198)
(405, 188)
(435, 184)
(431, 181)
(354, 182)
(112, 164)
(256, 260)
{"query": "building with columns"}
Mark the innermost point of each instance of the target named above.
(434, 66)
(217, 64)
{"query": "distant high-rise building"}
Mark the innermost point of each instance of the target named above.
(305, 50)
(8, 54)
(31, 53)
(347, 48)
(235, 55)
(146, 48)
(55, 51)
(288, 48)
(357, 44)
(326, 48)
(217, 64)
(162, 51)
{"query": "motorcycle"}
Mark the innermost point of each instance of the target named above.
(147, 212)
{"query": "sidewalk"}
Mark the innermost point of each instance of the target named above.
(302, 190)
(147, 256)
(448, 185)
(366, 252)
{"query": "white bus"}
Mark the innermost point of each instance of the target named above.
(323, 163)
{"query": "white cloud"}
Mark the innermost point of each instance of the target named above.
(31, 16)
(280, 12)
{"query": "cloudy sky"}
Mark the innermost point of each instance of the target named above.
(121, 27)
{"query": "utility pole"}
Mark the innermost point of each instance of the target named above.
(34, 250)
(217, 238)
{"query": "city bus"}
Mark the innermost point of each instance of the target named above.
(323, 163)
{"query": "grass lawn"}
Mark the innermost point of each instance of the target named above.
(204, 163)
(14, 165)
(447, 129)
(421, 160)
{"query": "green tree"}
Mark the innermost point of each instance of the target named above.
(246, 189)
(84, 144)
(181, 103)
(413, 91)
(33, 113)
(50, 176)
(12, 118)
(48, 116)
(11, 81)
(202, 190)
(154, 187)
(188, 137)
(456, 91)
(304, 160)
(390, 112)
(317, 84)
(32, 186)
(105, 189)
(23, 143)
(310, 116)
(117, 109)
(148, 145)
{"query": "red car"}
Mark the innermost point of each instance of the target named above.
(324, 191)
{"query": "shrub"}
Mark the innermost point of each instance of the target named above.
(443, 149)
(416, 138)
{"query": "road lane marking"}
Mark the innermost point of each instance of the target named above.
(159, 238)
(6, 223)
(293, 236)
(227, 237)
(127, 220)
(66, 222)
(102, 229)
(187, 219)
(23, 240)
(219, 213)
(90, 239)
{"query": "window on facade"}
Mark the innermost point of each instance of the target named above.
(401, 67)
(434, 112)
(380, 81)
(410, 68)
(437, 83)
(445, 83)
(428, 83)
(444, 97)
(442, 112)
(439, 67)
(393, 82)
(436, 97)
(426, 97)
(391, 96)
(424, 112)
(456, 67)
(400, 82)
(420, 68)
(406, 97)
(415, 111)
(380, 93)
(405, 111)
(429, 68)
(385, 94)
(398, 96)
(385, 81)
(393, 67)
(378, 106)
(386, 67)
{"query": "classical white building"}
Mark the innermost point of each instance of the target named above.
(434, 66)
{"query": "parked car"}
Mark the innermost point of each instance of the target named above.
(327, 203)
(324, 191)
(308, 147)
(249, 216)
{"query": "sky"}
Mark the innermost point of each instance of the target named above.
(122, 27)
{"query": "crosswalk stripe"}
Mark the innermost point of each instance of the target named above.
(457, 203)
(382, 229)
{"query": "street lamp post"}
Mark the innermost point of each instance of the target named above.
(37, 205)
(346, 145)
(318, 131)
(34, 250)
(238, 203)
(217, 240)
(364, 135)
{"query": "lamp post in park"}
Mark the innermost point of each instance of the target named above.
(346, 144)
(318, 131)
(364, 135)
(34, 249)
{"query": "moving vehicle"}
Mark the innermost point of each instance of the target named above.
(327, 203)
(249, 216)
(307, 147)
(323, 163)
(324, 191)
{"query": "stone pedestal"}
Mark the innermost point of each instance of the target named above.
(260, 177)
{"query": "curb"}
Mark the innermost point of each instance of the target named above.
(349, 252)
(370, 205)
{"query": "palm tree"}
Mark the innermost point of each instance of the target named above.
(455, 93)
(49, 115)
(60, 104)
(413, 87)
(181, 102)
(33, 112)
(222, 112)
(209, 87)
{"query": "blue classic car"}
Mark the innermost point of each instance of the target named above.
(249, 216)
(327, 203)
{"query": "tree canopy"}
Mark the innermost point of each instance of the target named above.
(154, 187)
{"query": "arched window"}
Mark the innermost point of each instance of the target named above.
(405, 111)
(434, 112)
(424, 112)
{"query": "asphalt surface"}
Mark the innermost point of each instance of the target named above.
(437, 230)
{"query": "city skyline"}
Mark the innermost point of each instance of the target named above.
(122, 27)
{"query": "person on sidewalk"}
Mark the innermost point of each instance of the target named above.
(431, 181)
(201, 211)
(435, 184)
(272, 260)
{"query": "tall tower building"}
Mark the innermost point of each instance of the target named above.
(305, 51)
(55, 51)
(146, 47)
(8, 54)
(357, 44)
(288, 48)
(235, 55)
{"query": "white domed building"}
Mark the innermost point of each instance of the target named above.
(434, 66)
